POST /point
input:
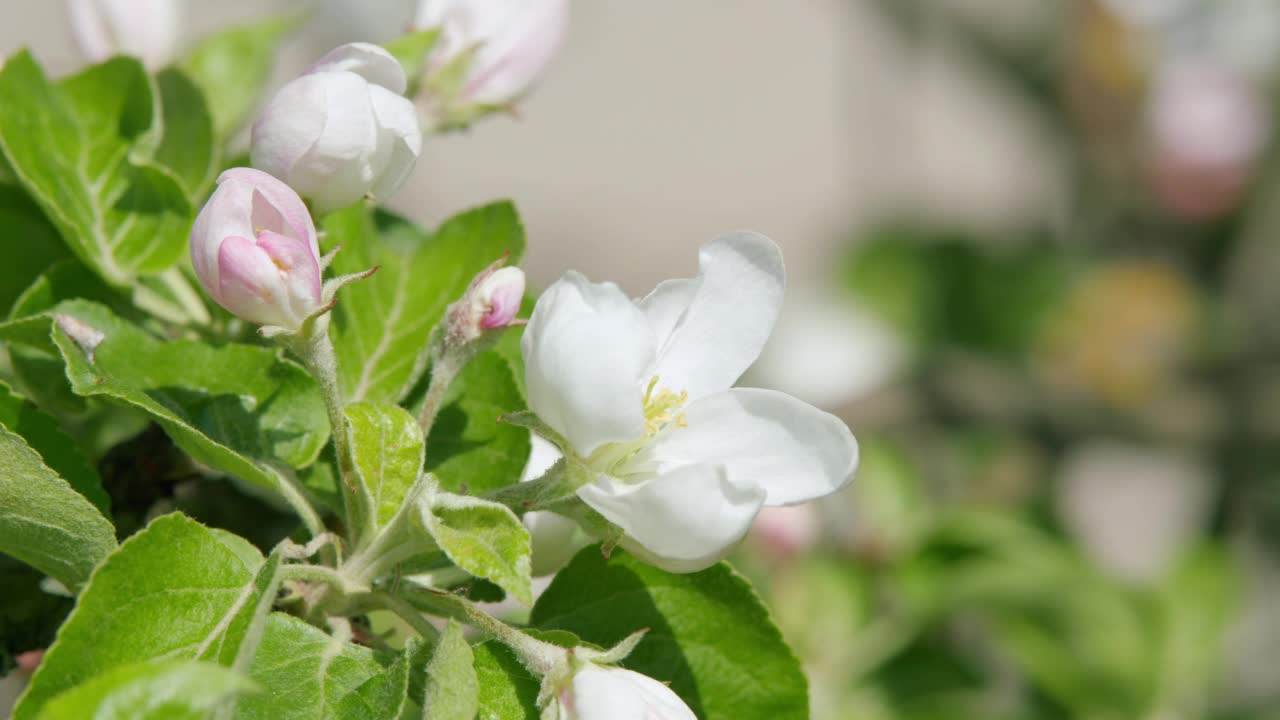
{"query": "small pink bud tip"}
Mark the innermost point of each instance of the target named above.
(29, 660)
(501, 293)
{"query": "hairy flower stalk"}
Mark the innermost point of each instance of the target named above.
(471, 325)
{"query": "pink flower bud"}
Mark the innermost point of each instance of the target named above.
(254, 249)
(145, 29)
(512, 42)
(491, 302)
(496, 297)
(342, 130)
(1208, 126)
(29, 660)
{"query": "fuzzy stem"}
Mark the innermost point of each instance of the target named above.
(539, 657)
(444, 369)
(409, 614)
(298, 501)
(390, 546)
(318, 356)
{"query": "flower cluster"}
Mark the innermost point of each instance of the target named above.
(660, 452)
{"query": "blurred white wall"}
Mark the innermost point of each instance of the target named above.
(665, 123)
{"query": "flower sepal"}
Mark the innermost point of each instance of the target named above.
(317, 323)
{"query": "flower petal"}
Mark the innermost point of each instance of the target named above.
(226, 214)
(765, 438)
(666, 305)
(681, 521)
(277, 207)
(288, 126)
(728, 319)
(369, 61)
(619, 694)
(345, 160)
(301, 271)
(250, 285)
(399, 131)
(586, 350)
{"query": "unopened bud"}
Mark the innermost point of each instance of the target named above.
(254, 249)
(491, 302)
(490, 51)
(145, 29)
(599, 692)
(342, 130)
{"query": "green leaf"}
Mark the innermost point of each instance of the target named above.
(709, 635)
(306, 674)
(507, 690)
(173, 591)
(187, 147)
(508, 346)
(80, 149)
(43, 521)
(484, 538)
(452, 688)
(236, 408)
(386, 447)
(410, 51)
(233, 67)
(28, 244)
(381, 326)
(172, 690)
(57, 450)
(469, 450)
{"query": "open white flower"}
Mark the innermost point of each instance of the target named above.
(641, 392)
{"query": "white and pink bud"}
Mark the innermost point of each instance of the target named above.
(787, 530)
(254, 249)
(491, 302)
(599, 692)
(342, 130)
(145, 29)
(1208, 127)
(505, 44)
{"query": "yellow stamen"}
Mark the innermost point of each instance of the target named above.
(662, 409)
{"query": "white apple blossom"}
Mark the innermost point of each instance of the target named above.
(641, 393)
(612, 693)
(145, 29)
(342, 130)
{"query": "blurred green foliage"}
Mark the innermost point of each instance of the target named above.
(1068, 504)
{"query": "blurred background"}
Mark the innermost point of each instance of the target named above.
(1033, 261)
